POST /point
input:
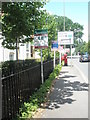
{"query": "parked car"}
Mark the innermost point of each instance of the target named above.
(89, 58)
(84, 58)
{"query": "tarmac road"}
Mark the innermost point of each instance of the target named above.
(83, 68)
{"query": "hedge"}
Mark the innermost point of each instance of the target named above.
(10, 67)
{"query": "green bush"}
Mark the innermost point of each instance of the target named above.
(9, 67)
(35, 101)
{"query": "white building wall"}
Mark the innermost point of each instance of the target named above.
(28, 50)
(5, 53)
(1, 51)
(24, 52)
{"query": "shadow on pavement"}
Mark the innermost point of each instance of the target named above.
(63, 92)
(67, 76)
(63, 72)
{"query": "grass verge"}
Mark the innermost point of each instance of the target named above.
(28, 109)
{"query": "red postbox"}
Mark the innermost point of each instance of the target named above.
(65, 59)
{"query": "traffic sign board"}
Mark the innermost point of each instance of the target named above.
(65, 38)
(41, 38)
(54, 46)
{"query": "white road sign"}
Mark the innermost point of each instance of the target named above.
(41, 39)
(65, 38)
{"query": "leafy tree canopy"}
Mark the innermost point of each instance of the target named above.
(19, 19)
(55, 23)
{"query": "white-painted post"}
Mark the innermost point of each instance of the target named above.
(60, 57)
(64, 12)
(41, 68)
(64, 20)
(71, 55)
(54, 58)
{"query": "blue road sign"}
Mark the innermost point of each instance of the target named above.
(54, 45)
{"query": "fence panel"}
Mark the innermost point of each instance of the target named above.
(18, 87)
(47, 68)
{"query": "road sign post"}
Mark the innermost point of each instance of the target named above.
(71, 55)
(60, 49)
(41, 42)
(54, 59)
(60, 57)
(54, 48)
(66, 38)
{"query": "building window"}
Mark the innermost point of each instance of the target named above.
(27, 46)
(27, 55)
(11, 56)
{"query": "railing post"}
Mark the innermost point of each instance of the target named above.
(54, 59)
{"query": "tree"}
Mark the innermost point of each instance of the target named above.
(88, 47)
(50, 24)
(19, 19)
(82, 48)
(70, 26)
(54, 24)
(77, 29)
(60, 23)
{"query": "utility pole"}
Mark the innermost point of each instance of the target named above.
(64, 12)
(64, 18)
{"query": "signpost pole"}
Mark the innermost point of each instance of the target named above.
(60, 57)
(54, 58)
(64, 21)
(41, 68)
(71, 55)
(54, 48)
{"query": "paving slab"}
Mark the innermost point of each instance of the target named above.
(69, 98)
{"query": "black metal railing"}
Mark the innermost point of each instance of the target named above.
(18, 87)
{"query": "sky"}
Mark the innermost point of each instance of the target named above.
(75, 10)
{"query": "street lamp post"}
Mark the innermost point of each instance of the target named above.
(64, 12)
(64, 18)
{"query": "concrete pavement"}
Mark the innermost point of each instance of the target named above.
(69, 98)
